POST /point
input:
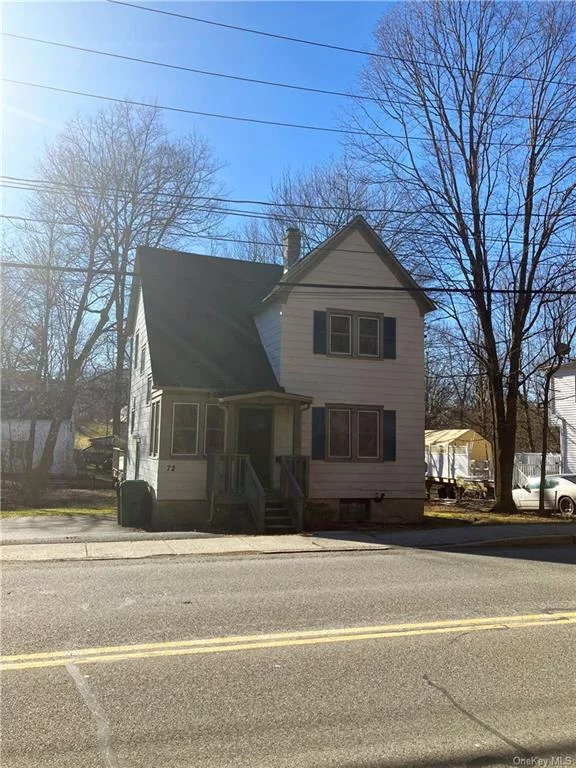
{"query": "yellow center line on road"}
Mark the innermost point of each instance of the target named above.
(106, 654)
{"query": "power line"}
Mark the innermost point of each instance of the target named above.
(317, 44)
(182, 110)
(253, 81)
(336, 287)
(41, 185)
(265, 217)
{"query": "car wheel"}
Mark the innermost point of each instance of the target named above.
(566, 506)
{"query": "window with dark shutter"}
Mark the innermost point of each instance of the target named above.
(368, 431)
(368, 337)
(339, 433)
(340, 334)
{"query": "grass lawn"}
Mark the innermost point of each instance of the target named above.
(54, 511)
(65, 501)
(454, 514)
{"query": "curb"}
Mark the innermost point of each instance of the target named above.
(557, 539)
(501, 543)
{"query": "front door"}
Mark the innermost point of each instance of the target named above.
(255, 439)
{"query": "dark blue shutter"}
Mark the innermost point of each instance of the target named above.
(389, 435)
(319, 333)
(389, 337)
(318, 433)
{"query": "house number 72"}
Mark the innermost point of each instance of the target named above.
(170, 467)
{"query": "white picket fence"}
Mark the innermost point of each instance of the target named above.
(528, 465)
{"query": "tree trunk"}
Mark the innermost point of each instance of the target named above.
(119, 394)
(37, 479)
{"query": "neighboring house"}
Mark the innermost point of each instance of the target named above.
(17, 405)
(285, 390)
(563, 406)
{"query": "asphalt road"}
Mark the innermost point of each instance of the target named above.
(439, 678)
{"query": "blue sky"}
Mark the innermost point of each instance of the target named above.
(254, 155)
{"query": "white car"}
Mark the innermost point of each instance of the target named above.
(559, 494)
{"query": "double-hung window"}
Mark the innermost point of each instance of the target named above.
(339, 433)
(354, 334)
(215, 431)
(368, 433)
(185, 429)
(354, 433)
(368, 342)
(340, 336)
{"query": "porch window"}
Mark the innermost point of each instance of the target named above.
(215, 432)
(340, 334)
(368, 434)
(185, 429)
(339, 433)
(369, 337)
(154, 429)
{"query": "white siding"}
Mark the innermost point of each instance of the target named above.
(564, 406)
(268, 323)
(19, 430)
(138, 387)
(396, 385)
(181, 479)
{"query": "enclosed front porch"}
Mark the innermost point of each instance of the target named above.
(262, 470)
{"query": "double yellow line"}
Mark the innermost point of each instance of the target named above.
(113, 653)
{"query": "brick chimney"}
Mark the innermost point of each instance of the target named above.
(291, 246)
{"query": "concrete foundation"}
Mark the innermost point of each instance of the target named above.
(183, 515)
(321, 513)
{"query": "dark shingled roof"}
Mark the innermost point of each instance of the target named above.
(199, 319)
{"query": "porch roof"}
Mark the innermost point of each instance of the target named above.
(266, 397)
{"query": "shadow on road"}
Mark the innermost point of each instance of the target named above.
(560, 754)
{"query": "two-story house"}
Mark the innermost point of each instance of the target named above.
(292, 395)
(563, 401)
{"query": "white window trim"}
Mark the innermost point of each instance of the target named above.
(378, 437)
(172, 453)
(379, 336)
(350, 335)
(215, 405)
(350, 425)
(155, 406)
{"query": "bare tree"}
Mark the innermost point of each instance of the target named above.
(473, 116)
(112, 181)
(319, 201)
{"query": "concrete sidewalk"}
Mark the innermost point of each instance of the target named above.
(154, 545)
